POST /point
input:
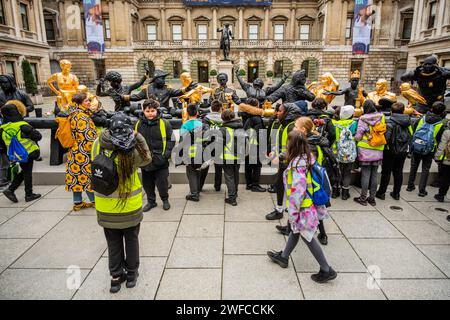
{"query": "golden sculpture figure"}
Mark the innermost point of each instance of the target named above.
(412, 96)
(381, 93)
(67, 85)
(192, 96)
(327, 83)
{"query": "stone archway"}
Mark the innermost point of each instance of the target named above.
(311, 66)
(141, 67)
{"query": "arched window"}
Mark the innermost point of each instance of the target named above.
(311, 66)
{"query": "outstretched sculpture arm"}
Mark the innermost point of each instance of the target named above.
(409, 76)
(279, 94)
(337, 92)
(141, 95)
(306, 93)
(136, 85)
(244, 85)
(100, 91)
(270, 90)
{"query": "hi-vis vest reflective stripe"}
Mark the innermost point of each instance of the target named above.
(343, 123)
(284, 137)
(307, 201)
(364, 143)
(253, 137)
(437, 127)
(319, 155)
(162, 129)
(11, 130)
(228, 150)
(195, 146)
(110, 204)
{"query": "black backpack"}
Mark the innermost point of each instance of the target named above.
(400, 139)
(105, 178)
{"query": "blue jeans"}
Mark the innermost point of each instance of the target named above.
(78, 197)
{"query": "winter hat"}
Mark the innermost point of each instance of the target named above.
(302, 105)
(346, 112)
(19, 106)
(121, 132)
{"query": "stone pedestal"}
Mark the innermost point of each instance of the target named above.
(227, 68)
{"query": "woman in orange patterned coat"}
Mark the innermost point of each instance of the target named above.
(78, 167)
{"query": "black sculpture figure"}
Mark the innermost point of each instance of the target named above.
(432, 82)
(293, 91)
(353, 93)
(256, 90)
(117, 90)
(225, 95)
(158, 88)
(10, 92)
(225, 41)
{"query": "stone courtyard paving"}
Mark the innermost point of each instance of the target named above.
(209, 250)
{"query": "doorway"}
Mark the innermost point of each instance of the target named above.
(203, 73)
(100, 69)
(253, 71)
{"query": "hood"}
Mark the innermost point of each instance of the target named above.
(371, 118)
(214, 117)
(432, 118)
(401, 119)
(11, 113)
(234, 124)
(314, 139)
(153, 122)
(292, 113)
(10, 79)
(105, 140)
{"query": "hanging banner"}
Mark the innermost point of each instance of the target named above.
(227, 2)
(362, 26)
(94, 26)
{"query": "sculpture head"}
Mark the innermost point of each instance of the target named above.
(186, 79)
(7, 83)
(326, 79)
(227, 25)
(299, 78)
(354, 83)
(114, 78)
(65, 65)
(222, 79)
(82, 89)
(159, 78)
(258, 83)
(381, 86)
(429, 64)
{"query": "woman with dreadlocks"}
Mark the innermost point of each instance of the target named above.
(120, 214)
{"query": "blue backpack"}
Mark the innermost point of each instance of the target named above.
(423, 139)
(321, 185)
(16, 151)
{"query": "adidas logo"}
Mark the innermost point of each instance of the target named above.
(98, 173)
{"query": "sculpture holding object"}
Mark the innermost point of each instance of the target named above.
(326, 84)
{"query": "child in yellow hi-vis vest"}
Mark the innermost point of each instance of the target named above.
(13, 128)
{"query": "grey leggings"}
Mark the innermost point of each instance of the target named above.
(346, 174)
(369, 180)
(313, 246)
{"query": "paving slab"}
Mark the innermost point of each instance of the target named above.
(172, 215)
(155, 238)
(97, 284)
(37, 284)
(439, 254)
(11, 249)
(179, 191)
(365, 224)
(59, 192)
(51, 205)
(349, 204)
(423, 232)
(330, 226)
(196, 253)
(84, 212)
(190, 284)
(208, 205)
(347, 286)
(8, 213)
(414, 195)
(434, 211)
(250, 209)
(388, 208)
(416, 289)
(29, 224)
(256, 277)
(197, 226)
(340, 255)
(396, 258)
(252, 238)
(75, 240)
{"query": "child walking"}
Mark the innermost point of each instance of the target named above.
(13, 113)
(442, 156)
(303, 214)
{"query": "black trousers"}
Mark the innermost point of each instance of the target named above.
(196, 178)
(427, 160)
(392, 163)
(279, 186)
(156, 179)
(218, 175)
(123, 250)
(444, 179)
(252, 172)
(26, 176)
(231, 174)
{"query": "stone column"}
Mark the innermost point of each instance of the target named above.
(41, 17)
(15, 18)
(62, 36)
(163, 23)
(291, 34)
(344, 21)
(37, 21)
(324, 31)
(185, 61)
(378, 21)
(394, 23)
(214, 23)
(415, 20)
(112, 22)
(440, 17)
(189, 23)
(266, 22)
(241, 23)
(419, 19)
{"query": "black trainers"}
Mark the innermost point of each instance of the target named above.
(371, 201)
(423, 193)
(410, 188)
(272, 189)
(361, 200)
(258, 188)
(278, 259)
(345, 194)
(132, 279)
(192, 197)
(166, 205)
(116, 283)
(284, 230)
(10, 195)
(231, 201)
(323, 239)
(439, 198)
(274, 215)
(394, 196)
(248, 187)
(149, 206)
(380, 196)
(335, 193)
(323, 277)
(32, 197)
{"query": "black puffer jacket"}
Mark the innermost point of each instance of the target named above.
(15, 94)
